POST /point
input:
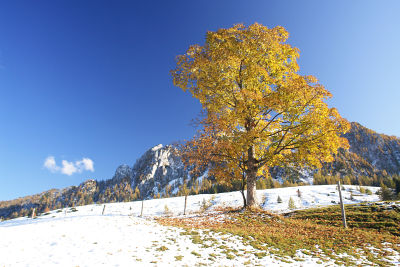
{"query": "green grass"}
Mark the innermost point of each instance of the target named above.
(383, 217)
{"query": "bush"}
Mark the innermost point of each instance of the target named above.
(206, 204)
(167, 211)
(368, 192)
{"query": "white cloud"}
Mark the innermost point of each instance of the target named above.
(85, 164)
(69, 167)
(50, 164)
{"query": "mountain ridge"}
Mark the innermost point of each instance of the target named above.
(160, 172)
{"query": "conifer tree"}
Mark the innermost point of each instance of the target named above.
(385, 193)
(291, 204)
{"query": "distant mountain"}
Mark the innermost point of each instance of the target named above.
(157, 172)
(370, 153)
(160, 172)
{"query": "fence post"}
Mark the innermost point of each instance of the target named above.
(184, 209)
(103, 210)
(141, 211)
(342, 206)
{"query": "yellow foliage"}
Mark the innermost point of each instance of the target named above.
(259, 112)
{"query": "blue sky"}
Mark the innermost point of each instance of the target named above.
(89, 80)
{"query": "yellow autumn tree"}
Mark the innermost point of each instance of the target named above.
(259, 112)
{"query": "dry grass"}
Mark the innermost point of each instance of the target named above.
(283, 237)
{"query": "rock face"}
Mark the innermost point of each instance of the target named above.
(122, 171)
(158, 170)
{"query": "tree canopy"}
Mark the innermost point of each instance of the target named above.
(258, 111)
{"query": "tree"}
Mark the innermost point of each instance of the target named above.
(291, 204)
(258, 111)
(385, 193)
(136, 195)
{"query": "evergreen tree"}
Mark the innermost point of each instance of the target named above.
(385, 193)
(291, 205)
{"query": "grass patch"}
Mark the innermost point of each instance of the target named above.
(162, 248)
(196, 254)
(381, 216)
(179, 257)
(283, 237)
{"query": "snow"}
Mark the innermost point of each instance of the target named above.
(121, 238)
(157, 147)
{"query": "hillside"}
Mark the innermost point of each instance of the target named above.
(370, 153)
(159, 172)
(82, 236)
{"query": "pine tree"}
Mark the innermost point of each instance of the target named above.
(385, 193)
(136, 195)
(291, 205)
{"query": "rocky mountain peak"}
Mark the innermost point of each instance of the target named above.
(122, 171)
(158, 167)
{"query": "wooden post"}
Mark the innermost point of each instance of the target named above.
(33, 213)
(342, 206)
(103, 210)
(184, 209)
(141, 211)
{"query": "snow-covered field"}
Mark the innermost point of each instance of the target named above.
(85, 237)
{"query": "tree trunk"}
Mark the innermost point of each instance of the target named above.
(251, 179)
(251, 174)
(251, 189)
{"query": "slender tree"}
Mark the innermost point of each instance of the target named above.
(258, 111)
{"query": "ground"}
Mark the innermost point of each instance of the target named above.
(82, 236)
